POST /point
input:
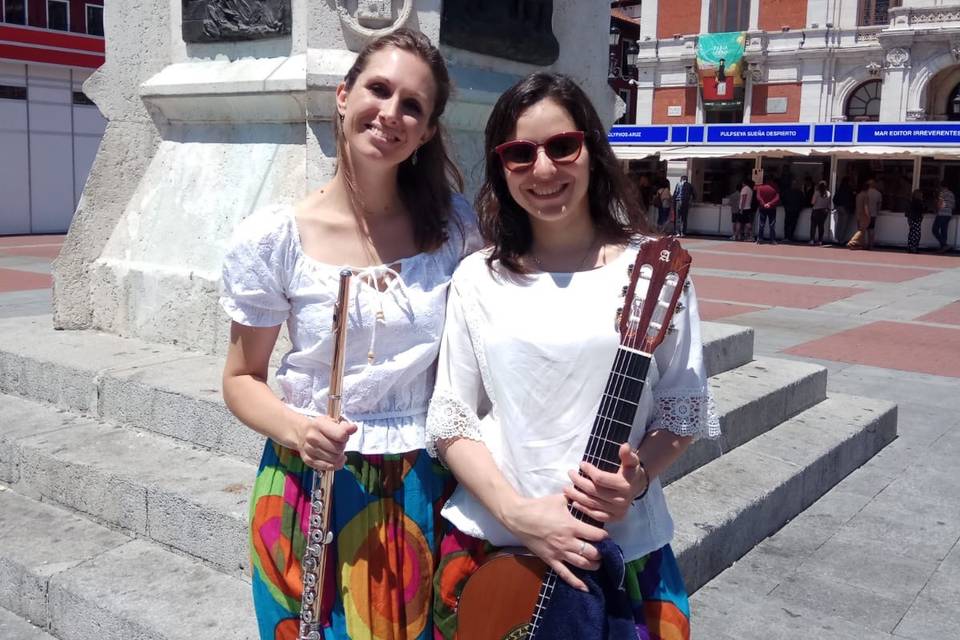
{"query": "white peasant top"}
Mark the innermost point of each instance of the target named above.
(523, 365)
(269, 280)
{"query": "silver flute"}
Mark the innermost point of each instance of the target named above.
(319, 536)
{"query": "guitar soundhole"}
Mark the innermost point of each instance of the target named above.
(520, 632)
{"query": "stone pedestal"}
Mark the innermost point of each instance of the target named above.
(202, 133)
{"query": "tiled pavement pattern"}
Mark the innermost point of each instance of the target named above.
(25, 274)
(877, 556)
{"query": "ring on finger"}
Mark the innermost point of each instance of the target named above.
(583, 545)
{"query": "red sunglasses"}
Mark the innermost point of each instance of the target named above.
(520, 155)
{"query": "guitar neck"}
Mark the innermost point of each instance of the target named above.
(614, 420)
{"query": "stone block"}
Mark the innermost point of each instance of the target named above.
(141, 591)
(40, 542)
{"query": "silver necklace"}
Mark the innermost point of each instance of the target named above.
(536, 259)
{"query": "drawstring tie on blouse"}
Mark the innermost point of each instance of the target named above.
(372, 277)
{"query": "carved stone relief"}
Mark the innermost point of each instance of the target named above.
(372, 18)
(897, 58)
(520, 30)
(226, 20)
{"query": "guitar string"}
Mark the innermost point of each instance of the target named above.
(607, 400)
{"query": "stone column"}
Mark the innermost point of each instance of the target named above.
(896, 84)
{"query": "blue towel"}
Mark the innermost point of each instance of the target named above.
(605, 613)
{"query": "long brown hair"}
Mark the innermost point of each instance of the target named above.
(613, 203)
(427, 187)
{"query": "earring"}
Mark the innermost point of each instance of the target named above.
(413, 158)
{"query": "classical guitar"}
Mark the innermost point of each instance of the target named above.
(506, 597)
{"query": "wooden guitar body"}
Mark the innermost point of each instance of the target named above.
(498, 600)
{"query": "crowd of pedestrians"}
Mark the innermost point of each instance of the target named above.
(846, 217)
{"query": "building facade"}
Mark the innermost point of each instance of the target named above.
(877, 81)
(49, 130)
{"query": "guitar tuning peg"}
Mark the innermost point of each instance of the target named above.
(623, 292)
(681, 306)
(686, 285)
(629, 269)
(616, 321)
(672, 329)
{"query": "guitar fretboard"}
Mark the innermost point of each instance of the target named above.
(611, 428)
(614, 420)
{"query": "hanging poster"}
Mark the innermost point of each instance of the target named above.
(720, 68)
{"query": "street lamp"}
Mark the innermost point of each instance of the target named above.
(615, 73)
(633, 49)
(614, 35)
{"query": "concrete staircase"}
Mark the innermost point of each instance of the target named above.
(124, 481)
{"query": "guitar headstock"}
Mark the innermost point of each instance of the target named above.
(659, 273)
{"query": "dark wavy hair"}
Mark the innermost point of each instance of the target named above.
(612, 198)
(427, 187)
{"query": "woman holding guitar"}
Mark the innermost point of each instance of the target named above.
(528, 345)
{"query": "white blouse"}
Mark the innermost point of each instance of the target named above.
(269, 280)
(523, 365)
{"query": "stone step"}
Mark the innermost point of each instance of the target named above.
(725, 346)
(195, 500)
(190, 499)
(82, 581)
(726, 507)
(13, 627)
(752, 399)
(174, 392)
(717, 613)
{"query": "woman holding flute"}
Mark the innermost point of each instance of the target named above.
(393, 217)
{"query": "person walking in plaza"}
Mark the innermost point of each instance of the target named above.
(748, 210)
(393, 214)
(793, 202)
(768, 199)
(733, 201)
(946, 203)
(874, 200)
(821, 204)
(844, 201)
(663, 204)
(914, 219)
(862, 211)
(683, 195)
(526, 352)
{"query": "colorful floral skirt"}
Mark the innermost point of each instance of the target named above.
(387, 527)
(654, 584)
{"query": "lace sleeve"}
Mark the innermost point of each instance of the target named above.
(682, 400)
(459, 397)
(687, 412)
(450, 417)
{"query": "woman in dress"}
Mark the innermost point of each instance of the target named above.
(528, 345)
(393, 215)
(914, 220)
(821, 203)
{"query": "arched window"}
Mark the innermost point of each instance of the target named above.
(863, 105)
(953, 104)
